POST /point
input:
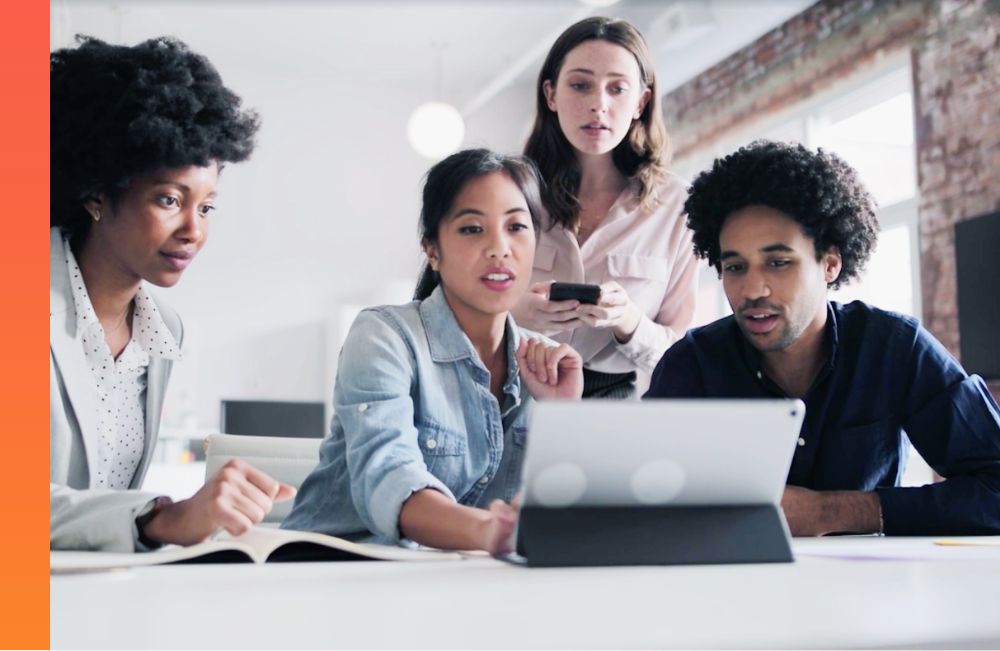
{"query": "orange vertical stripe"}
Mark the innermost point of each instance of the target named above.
(24, 201)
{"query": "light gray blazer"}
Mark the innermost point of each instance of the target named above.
(80, 516)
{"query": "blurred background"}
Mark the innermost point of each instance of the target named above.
(323, 219)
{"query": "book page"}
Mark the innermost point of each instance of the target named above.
(68, 562)
(271, 543)
(258, 545)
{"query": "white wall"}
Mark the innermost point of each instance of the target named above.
(321, 221)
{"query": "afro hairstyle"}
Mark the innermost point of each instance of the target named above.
(121, 111)
(817, 189)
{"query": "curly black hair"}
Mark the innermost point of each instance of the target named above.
(817, 189)
(119, 111)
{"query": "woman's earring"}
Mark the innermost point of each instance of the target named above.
(96, 215)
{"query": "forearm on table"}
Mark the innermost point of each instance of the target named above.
(960, 505)
(850, 512)
(94, 519)
(431, 518)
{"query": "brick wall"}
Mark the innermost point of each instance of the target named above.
(956, 83)
(954, 47)
(807, 54)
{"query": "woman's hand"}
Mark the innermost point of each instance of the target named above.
(235, 498)
(498, 532)
(431, 518)
(536, 312)
(550, 371)
(614, 310)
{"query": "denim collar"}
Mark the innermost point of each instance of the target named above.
(449, 343)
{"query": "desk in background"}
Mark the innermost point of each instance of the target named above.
(916, 595)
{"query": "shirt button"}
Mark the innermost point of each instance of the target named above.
(760, 376)
(363, 407)
(802, 441)
(431, 444)
(485, 479)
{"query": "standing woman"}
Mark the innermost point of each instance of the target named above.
(432, 398)
(138, 137)
(615, 211)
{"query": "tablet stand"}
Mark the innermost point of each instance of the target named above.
(652, 535)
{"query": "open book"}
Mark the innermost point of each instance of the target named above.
(259, 545)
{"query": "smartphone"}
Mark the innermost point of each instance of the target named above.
(575, 291)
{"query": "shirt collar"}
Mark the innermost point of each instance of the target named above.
(156, 338)
(449, 343)
(831, 339)
(86, 317)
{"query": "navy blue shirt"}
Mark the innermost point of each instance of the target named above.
(884, 375)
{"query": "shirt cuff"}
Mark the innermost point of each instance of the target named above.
(900, 517)
(647, 345)
(388, 497)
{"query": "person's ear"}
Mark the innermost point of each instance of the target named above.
(433, 257)
(95, 205)
(550, 94)
(646, 94)
(832, 263)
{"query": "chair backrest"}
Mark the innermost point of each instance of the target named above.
(273, 418)
(287, 459)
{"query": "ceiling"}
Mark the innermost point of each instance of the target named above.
(466, 52)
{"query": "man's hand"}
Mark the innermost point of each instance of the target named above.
(817, 513)
(235, 498)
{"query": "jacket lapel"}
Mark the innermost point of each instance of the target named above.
(67, 349)
(155, 379)
(157, 376)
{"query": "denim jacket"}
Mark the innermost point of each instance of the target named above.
(413, 410)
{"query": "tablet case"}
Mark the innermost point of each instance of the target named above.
(652, 535)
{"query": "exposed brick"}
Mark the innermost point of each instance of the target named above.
(805, 55)
(954, 50)
(958, 144)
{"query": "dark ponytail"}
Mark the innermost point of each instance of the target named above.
(429, 279)
(445, 182)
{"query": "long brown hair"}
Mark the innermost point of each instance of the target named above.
(643, 153)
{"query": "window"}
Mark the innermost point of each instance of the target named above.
(868, 122)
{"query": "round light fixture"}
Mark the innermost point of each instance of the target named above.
(435, 129)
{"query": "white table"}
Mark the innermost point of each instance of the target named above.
(927, 596)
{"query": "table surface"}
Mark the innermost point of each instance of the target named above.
(841, 592)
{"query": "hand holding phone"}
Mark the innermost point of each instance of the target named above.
(584, 293)
(535, 311)
(614, 310)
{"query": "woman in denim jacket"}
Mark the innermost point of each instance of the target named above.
(432, 398)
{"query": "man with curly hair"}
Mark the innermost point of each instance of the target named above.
(782, 225)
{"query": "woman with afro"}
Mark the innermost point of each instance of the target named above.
(138, 138)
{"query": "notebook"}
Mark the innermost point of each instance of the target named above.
(259, 545)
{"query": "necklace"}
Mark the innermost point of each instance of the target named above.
(123, 321)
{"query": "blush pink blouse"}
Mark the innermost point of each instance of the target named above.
(646, 251)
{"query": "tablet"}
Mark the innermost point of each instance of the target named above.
(660, 452)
